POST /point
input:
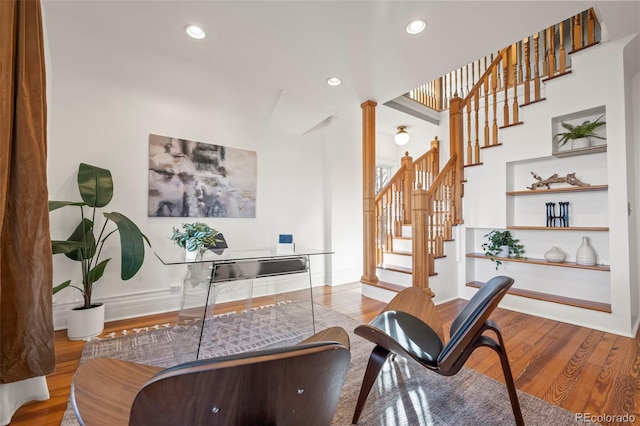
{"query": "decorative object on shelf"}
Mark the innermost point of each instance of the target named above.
(494, 246)
(96, 189)
(561, 220)
(197, 236)
(554, 254)
(585, 254)
(579, 134)
(570, 178)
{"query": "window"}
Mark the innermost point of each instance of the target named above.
(383, 175)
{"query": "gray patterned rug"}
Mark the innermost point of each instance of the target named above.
(404, 394)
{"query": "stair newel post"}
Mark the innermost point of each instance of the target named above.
(407, 186)
(456, 148)
(368, 191)
(420, 239)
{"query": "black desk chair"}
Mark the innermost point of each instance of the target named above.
(410, 326)
(294, 385)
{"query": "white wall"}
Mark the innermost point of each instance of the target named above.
(104, 103)
(631, 79)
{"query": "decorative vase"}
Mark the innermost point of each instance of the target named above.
(585, 254)
(190, 255)
(554, 254)
(83, 324)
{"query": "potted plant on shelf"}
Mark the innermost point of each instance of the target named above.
(83, 245)
(196, 237)
(501, 244)
(579, 134)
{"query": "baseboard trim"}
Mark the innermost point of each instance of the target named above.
(124, 306)
(160, 301)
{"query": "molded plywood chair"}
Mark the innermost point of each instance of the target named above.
(295, 385)
(410, 326)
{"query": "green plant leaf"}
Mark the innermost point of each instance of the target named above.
(131, 244)
(55, 205)
(59, 246)
(96, 273)
(61, 286)
(83, 235)
(95, 185)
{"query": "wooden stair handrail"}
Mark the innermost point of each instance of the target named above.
(484, 75)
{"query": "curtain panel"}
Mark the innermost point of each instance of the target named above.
(26, 319)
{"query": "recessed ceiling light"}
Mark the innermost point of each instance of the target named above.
(416, 27)
(334, 81)
(195, 31)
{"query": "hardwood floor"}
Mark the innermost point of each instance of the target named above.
(579, 369)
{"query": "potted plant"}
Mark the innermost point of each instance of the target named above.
(580, 131)
(196, 236)
(502, 244)
(83, 245)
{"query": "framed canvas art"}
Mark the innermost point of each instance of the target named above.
(196, 179)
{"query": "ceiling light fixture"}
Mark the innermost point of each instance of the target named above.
(402, 137)
(334, 81)
(195, 31)
(416, 27)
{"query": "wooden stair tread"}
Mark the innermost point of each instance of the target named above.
(533, 102)
(401, 269)
(544, 80)
(491, 146)
(401, 253)
(387, 286)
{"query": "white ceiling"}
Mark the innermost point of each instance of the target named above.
(290, 48)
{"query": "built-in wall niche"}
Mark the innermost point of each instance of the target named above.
(588, 206)
(584, 145)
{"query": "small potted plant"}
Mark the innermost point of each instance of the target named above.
(195, 237)
(502, 244)
(579, 134)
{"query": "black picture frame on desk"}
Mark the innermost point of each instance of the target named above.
(220, 245)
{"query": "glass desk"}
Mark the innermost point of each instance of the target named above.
(242, 276)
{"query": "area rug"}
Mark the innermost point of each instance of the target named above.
(404, 393)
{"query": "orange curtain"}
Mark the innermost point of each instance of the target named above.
(26, 321)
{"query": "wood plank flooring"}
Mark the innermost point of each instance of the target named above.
(579, 369)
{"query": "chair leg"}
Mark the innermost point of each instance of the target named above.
(376, 361)
(506, 370)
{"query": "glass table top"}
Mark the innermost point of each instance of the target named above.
(176, 255)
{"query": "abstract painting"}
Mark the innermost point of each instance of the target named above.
(196, 179)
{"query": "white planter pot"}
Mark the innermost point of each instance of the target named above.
(504, 251)
(83, 324)
(580, 143)
(190, 255)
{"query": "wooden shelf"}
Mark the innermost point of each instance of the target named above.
(603, 268)
(581, 151)
(563, 300)
(560, 228)
(552, 190)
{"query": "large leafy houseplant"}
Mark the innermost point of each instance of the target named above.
(584, 130)
(96, 189)
(496, 240)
